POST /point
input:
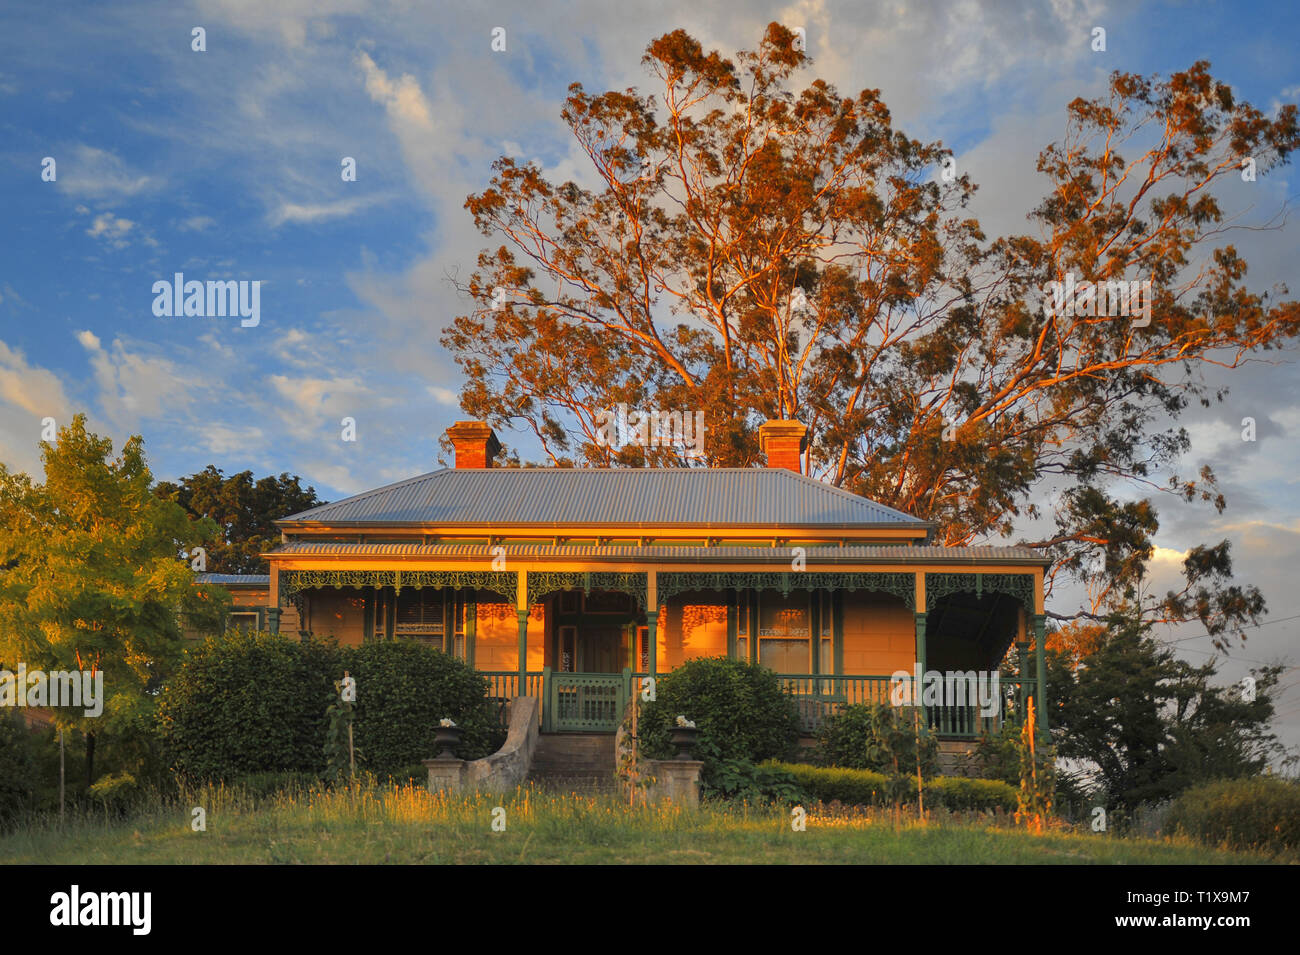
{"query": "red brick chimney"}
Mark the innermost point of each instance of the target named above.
(475, 442)
(783, 442)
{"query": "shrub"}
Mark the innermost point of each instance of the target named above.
(1261, 813)
(403, 690)
(739, 780)
(18, 767)
(853, 787)
(247, 703)
(738, 708)
(864, 787)
(960, 792)
(877, 737)
(116, 792)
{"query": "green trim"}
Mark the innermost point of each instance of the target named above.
(471, 627)
(544, 582)
(1017, 586)
(901, 585)
(523, 648)
(499, 582)
(732, 614)
(837, 630)
(652, 636)
(1040, 686)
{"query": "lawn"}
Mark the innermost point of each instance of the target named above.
(409, 825)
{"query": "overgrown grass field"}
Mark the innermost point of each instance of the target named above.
(406, 824)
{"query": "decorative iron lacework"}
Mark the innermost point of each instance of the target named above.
(543, 582)
(504, 583)
(901, 585)
(1018, 586)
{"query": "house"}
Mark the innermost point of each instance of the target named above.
(574, 585)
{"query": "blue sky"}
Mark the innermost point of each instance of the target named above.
(225, 164)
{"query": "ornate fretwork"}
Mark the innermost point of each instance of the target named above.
(499, 582)
(900, 585)
(1018, 586)
(543, 582)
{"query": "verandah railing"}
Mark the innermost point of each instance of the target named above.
(816, 697)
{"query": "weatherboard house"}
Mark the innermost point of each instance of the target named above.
(572, 585)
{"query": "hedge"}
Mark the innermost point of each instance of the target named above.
(739, 709)
(1261, 813)
(247, 704)
(864, 787)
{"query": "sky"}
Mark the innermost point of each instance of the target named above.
(225, 164)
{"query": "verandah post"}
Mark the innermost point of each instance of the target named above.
(521, 608)
(1040, 688)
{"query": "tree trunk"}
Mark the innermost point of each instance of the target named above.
(90, 759)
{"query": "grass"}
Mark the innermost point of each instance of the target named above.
(405, 824)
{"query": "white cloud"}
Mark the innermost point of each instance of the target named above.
(93, 173)
(403, 98)
(112, 229)
(134, 386)
(319, 211)
(27, 394)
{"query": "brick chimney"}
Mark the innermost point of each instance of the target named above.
(475, 442)
(783, 442)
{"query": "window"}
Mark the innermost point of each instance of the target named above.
(420, 614)
(784, 632)
(246, 621)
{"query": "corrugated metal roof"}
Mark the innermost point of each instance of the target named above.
(713, 497)
(235, 580)
(665, 554)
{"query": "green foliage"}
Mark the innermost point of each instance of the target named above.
(403, 690)
(340, 747)
(740, 711)
(878, 737)
(18, 767)
(1154, 725)
(248, 703)
(740, 780)
(94, 578)
(116, 792)
(244, 510)
(864, 787)
(1261, 813)
(961, 792)
(853, 787)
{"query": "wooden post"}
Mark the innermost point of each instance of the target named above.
(1040, 689)
(652, 635)
(521, 608)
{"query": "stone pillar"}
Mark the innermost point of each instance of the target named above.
(678, 780)
(448, 774)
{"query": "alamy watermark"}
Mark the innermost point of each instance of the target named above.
(209, 299)
(1099, 299)
(946, 688)
(651, 429)
(59, 688)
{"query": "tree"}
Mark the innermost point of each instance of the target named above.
(91, 576)
(1152, 725)
(754, 252)
(244, 510)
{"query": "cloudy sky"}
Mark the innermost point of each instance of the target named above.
(225, 164)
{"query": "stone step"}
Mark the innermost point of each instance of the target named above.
(572, 759)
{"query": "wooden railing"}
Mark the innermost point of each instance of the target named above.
(816, 696)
